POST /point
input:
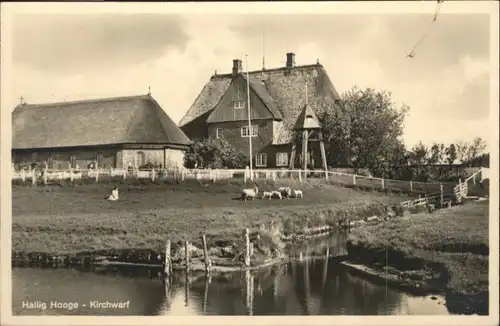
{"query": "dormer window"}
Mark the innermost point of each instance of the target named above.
(238, 105)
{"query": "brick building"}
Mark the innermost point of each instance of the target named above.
(112, 132)
(277, 97)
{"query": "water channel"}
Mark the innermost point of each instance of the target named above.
(318, 285)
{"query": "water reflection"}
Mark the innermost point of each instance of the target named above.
(318, 286)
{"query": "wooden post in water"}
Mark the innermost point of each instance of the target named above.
(246, 235)
(186, 250)
(186, 288)
(441, 190)
(205, 295)
(307, 287)
(325, 267)
(249, 292)
(168, 262)
(208, 262)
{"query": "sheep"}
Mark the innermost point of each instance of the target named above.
(297, 193)
(267, 194)
(276, 194)
(285, 191)
(249, 193)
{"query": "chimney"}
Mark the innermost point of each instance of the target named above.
(237, 67)
(290, 60)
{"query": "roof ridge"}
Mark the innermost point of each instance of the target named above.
(85, 101)
(269, 70)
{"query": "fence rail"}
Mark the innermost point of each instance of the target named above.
(36, 176)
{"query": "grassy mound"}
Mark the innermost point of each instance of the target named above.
(453, 242)
(76, 218)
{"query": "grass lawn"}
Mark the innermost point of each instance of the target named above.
(70, 219)
(455, 238)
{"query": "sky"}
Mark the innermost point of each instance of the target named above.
(447, 84)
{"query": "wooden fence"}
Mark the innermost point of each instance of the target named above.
(46, 176)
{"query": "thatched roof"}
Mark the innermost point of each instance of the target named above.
(286, 89)
(134, 119)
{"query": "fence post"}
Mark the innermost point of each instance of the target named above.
(214, 175)
(245, 175)
(353, 179)
(153, 175)
(411, 186)
(247, 247)
(23, 175)
(300, 175)
(441, 190)
(33, 176)
(208, 263)
(96, 175)
(71, 178)
(168, 262)
(186, 249)
(382, 182)
(274, 175)
(183, 171)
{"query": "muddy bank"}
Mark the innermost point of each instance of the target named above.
(226, 251)
(413, 275)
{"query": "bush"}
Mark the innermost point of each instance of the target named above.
(214, 154)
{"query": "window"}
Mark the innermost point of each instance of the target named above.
(219, 133)
(140, 159)
(99, 159)
(49, 162)
(238, 105)
(72, 161)
(282, 159)
(245, 132)
(261, 159)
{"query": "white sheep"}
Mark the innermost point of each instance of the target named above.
(267, 194)
(249, 193)
(285, 191)
(276, 194)
(297, 193)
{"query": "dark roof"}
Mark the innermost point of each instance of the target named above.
(260, 89)
(307, 119)
(133, 119)
(285, 88)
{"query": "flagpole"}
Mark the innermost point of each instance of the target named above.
(249, 120)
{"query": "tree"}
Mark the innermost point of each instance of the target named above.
(419, 154)
(476, 148)
(451, 154)
(364, 130)
(436, 153)
(214, 154)
(462, 148)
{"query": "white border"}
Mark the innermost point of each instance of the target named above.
(380, 7)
